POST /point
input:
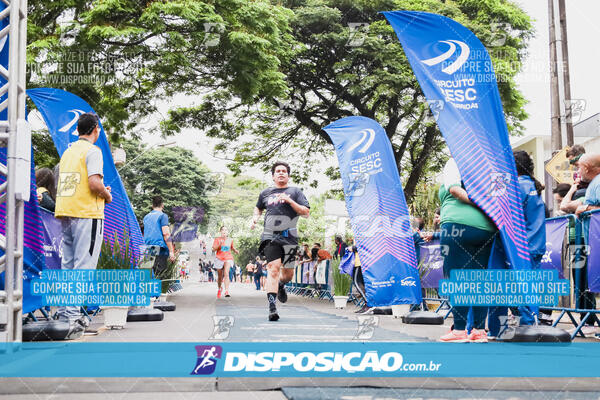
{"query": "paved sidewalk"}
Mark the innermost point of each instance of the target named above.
(302, 319)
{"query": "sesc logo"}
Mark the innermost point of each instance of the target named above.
(408, 281)
(67, 127)
(207, 359)
(370, 133)
(455, 66)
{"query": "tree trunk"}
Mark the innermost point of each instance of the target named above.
(421, 161)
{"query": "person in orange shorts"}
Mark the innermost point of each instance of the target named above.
(223, 246)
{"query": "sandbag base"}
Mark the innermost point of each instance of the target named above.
(164, 305)
(535, 334)
(144, 314)
(382, 311)
(423, 318)
(46, 331)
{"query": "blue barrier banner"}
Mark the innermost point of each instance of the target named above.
(298, 359)
(33, 239)
(378, 212)
(431, 260)
(593, 256)
(347, 262)
(53, 236)
(4, 59)
(555, 235)
(60, 111)
(457, 77)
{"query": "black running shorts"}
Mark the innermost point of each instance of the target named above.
(277, 251)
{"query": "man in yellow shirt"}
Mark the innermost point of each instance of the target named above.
(80, 200)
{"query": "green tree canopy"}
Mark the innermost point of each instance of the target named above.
(335, 71)
(120, 54)
(173, 173)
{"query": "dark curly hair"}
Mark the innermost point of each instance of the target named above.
(524, 165)
(44, 177)
(278, 163)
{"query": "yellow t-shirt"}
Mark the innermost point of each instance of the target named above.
(73, 195)
(356, 260)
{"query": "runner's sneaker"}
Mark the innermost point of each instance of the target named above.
(90, 331)
(227, 294)
(273, 316)
(219, 294)
(83, 320)
(76, 330)
(281, 293)
(367, 310)
(455, 336)
(363, 309)
(478, 336)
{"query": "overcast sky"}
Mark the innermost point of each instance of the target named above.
(582, 33)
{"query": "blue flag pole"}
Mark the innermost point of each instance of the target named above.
(378, 211)
(457, 77)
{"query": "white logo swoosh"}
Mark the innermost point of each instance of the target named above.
(455, 66)
(68, 126)
(369, 142)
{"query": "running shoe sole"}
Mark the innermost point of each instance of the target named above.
(273, 316)
(282, 294)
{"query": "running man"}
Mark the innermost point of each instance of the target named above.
(223, 246)
(279, 240)
(207, 361)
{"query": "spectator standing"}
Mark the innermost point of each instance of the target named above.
(560, 191)
(535, 219)
(573, 155)
(80, 201)
(468, 234)
(258, 273)
(158, 233)
(340, 248)
(46, 188)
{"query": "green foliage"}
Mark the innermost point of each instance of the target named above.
(120, 54)
(425, 201)
(234, 206)
(167, 276)
(312, 229)
(248, 248)
(173, 173)
(329, 80)
(341, 282)
(116, 256)
(44, 152)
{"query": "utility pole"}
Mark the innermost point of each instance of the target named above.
(566, 77)
(556, 139)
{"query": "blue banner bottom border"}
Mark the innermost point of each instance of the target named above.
(297, 359)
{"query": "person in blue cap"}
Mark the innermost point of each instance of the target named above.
(534, 212)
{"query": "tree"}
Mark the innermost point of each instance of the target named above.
(173, 173)
(234, 205)
(119, 55)
(329, 78)
(248, 248)
(44, 151)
